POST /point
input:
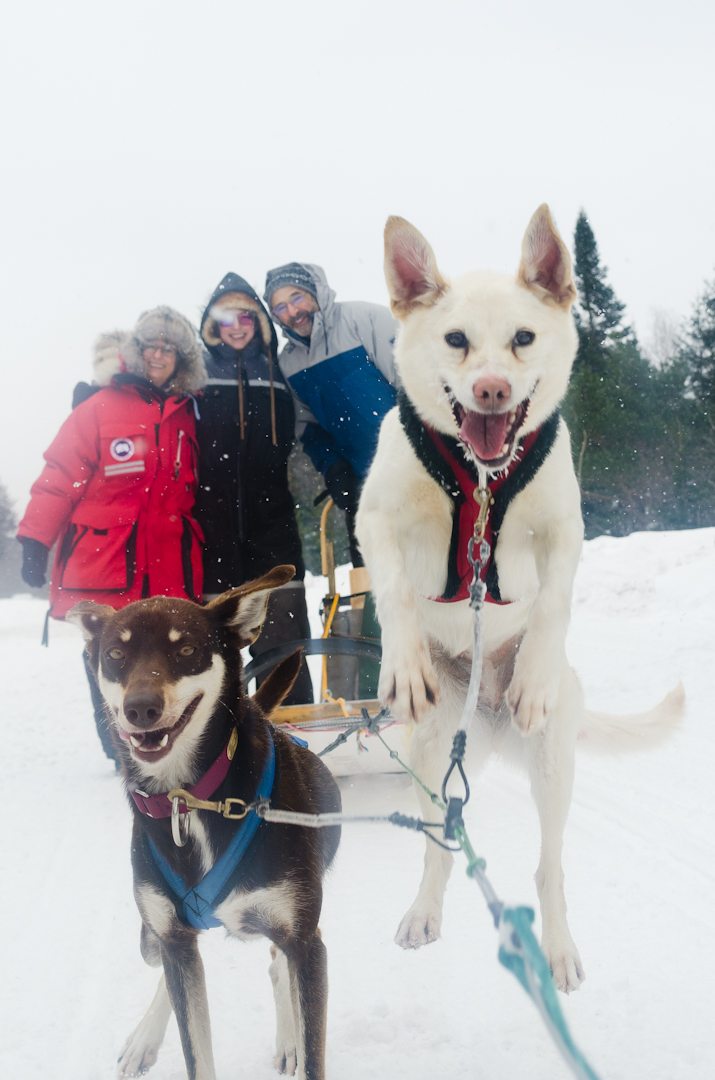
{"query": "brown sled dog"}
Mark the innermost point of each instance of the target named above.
(171, 675)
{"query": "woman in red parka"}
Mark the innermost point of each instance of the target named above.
(119, 484)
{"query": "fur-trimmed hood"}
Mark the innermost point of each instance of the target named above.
(234, 292)
(121, 351)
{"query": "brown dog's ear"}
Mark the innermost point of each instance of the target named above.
(89, 617)
(274, 688)
(545, 263)
(413, 279)
(245, 607)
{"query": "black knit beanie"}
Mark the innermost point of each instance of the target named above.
(291, 274)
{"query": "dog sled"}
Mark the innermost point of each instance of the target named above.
(350, 652)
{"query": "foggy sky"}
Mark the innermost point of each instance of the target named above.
(149, 147)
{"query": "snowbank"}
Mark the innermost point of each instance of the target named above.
(638, 861)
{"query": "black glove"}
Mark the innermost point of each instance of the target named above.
(34, 561)
(343, 485)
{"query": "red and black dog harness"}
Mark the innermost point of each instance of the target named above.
(444, 459)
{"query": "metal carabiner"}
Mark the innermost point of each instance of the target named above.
(179, 828)
(228, 812)
(484, 497)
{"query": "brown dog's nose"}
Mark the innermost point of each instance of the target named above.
(143, 709)
(492, 392)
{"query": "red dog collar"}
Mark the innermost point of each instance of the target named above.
(159, 806)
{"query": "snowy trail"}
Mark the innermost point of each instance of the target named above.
(639, 863)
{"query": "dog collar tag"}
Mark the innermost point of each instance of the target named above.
(232, 744)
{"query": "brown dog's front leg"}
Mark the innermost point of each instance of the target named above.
(186, 984)
(308, 966)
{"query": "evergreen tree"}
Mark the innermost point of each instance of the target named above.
(8, 524)
(611, 406)
(694, 368)
(643, 434)
(617, 458)
(598, 313)
(10, 551)
(698, 350)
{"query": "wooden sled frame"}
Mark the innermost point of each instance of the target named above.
(325, 646)
(328, 709)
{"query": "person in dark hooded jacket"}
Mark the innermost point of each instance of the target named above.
(245, 436)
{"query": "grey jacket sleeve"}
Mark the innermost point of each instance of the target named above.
(377, 329)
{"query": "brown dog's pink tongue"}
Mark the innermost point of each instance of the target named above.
(486, 434)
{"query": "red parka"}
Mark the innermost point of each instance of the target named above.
(118, 489)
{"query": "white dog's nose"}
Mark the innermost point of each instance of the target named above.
(492, 393)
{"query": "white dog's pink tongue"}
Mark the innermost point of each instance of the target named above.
(486, 434)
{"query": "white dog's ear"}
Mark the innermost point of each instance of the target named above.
(413, 279)
(545, 263)
(245, 608)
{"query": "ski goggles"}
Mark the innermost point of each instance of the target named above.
(230, 316)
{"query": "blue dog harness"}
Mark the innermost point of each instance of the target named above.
(196, 905)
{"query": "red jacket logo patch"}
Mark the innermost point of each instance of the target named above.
(121, 449)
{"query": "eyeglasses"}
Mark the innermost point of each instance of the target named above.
(164, 349)
(229, 318)
(298, 299)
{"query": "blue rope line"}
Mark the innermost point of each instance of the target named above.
(519, 952)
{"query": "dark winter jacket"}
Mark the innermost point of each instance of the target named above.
(344, 375)
(244, 504)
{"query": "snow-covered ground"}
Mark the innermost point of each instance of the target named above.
(639, 863)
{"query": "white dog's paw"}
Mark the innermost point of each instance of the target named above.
(532, 694)
(408, 684)
(285, 1060)
(137, 1055)
(420, 926)
(566, 967)
(528, 707)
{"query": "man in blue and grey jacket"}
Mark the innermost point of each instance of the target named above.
(338, 361)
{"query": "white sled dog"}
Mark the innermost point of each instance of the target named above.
(485, 361)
